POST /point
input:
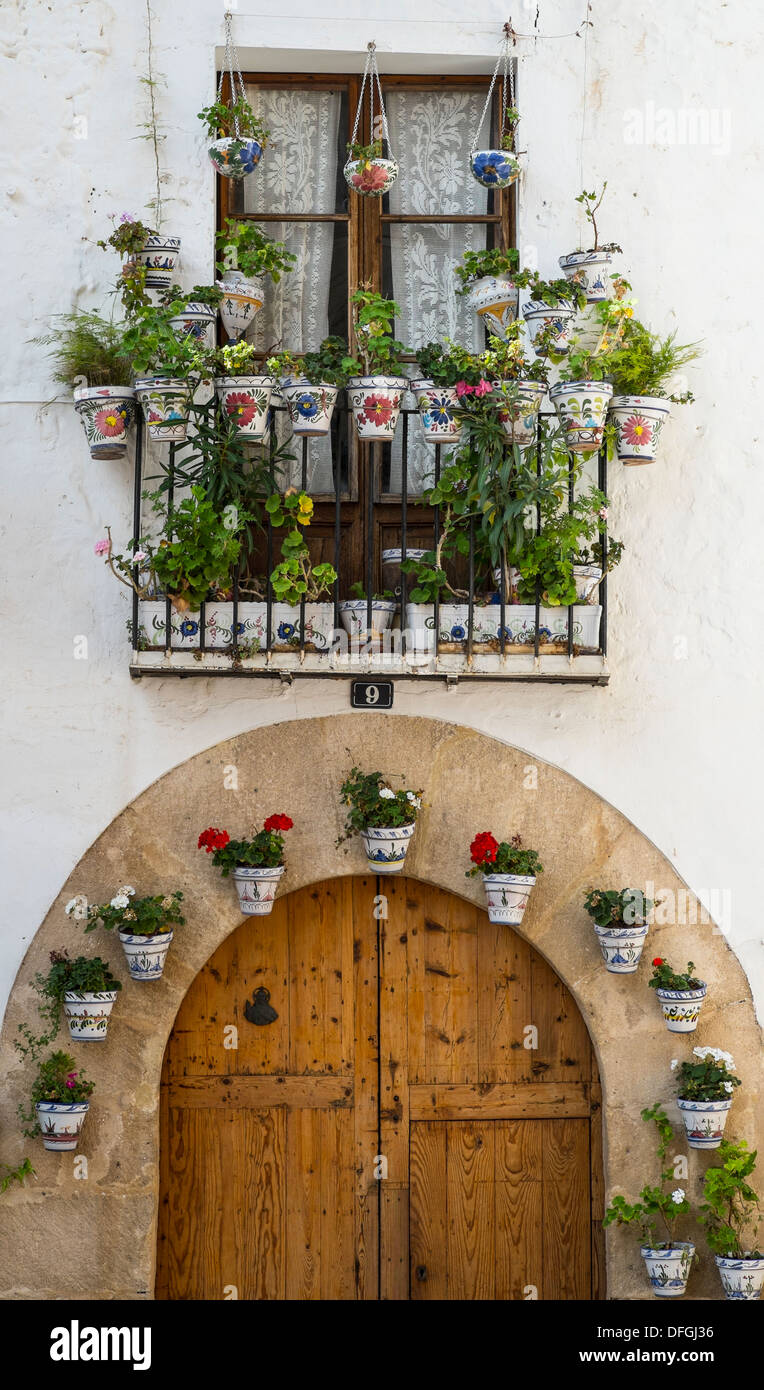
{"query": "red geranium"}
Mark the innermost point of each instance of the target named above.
(213, 839)
(483, 848)
(658, 960)
(278, 822)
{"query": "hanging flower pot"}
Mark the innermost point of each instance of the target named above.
(310, 408)
(498, 167)
(507, 896)
(494, 299)
(376, 402)
(509, 873)
(256, 883)
(638, 422)
(704, 1121)
(556, 323)
(681, 1008)
(438, 411)
(236, 137)
(668, 1270)
(106, 412)
(166, 402)
(582, 407)
(742, 1279)
(159, 257)
(241, 300)
(621, 947)
(246, 400)
(520, 417)
(145, 955)
(366, 171)
(197, 321)
(371, 177)
(373, 801)
(386, 849)
(590, 270)
(235, 156)
(88, 1014)
(494, 168)
(60, 1125)
(257, 889)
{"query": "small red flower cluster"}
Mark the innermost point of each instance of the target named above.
(213, 839)
(71, 1077)
(658, 960)
(483, 848)
(278, 822)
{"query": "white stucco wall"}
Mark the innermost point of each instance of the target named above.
(674, 741)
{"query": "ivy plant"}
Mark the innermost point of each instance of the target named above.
(83, 975)
(731, 1212)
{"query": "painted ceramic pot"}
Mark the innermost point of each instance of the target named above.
(371, 177)
(519, 626)
(494, 168)
(235, 156)
(60, 1125)
(166, 402)
(590, 270)
(520, 417)
(198, 322)
(741, 1278)
(257, 888)
(376, 402)
(391, 567)
(386, 849)
(638, 421)
(621, 947)
(310, 408)
(668, 1270)
(681, 1008)
(507, 896)
(241, 300)
(159, 255)
(88, 1015)
(246, 400)
(354, 615)
(587, 579)
(582, 407)
(146, 955)
(251, 627)
(494, 299)
(438, 411)
(556, 323)
(106, 412)
(704, 1121)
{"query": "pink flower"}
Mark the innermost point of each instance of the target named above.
(101, 547)
(462, 389)
(111, 421)
(483, 387)
(127, 217)
(70, 1080)
(140, 555)
(603, 513)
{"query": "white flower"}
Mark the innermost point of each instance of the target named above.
(678, 1196)
(716, 1053)
(674, 1063)
(414, 799)
(121, 900)
(387, 793)
(729, 1088)
(128, 890)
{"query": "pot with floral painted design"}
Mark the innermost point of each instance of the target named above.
(681, 995)
(310, 407)
(166, 402)
(509, 873)
(590, 270)
(107, 413)
(494, 168)
(494, 299)
(582, 407)
(384, 817)
(371, 177)
(705, 1086)
(638, 423)
(197, 322)
(242, 298)
(438, 411)
(552, 323)
(376, 403)
(742, 1278)
(620, 919)
(354, 614)
(668, 1268)
(246, 400)
(257, 863)
(519, 406)
(60, 1100)
(704, 1121)
(159, 257)
(145, 955)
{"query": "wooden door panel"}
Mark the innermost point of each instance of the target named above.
(566, 1211)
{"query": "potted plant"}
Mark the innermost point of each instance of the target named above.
(376, 382)
(89, 355)
(384, 818)
(244, 395)
(236, 137)
(509, 873)
(245, 256)
(310, 384)
(705, 1095)
(354, 614)
(680, 993)
(446, 369)
(639, 369)
(560, 559)
(296, 578)
(143, 925)
(591, 269)
(149, 259)
(167, 368)
(550, 314)
(87, 990)
(730, 1215)
(620, 921)
(491, 281)
(519, 384)
(257, 863)
(366, 172)
(668, 1261)
(194, 312)
(498, 168)
(60, 1098)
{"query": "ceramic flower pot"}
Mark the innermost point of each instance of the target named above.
(507, 896)
(235, 156)
(310, 408)
(520, 417)
(438, 411)
(241, 300)
(681, 1008)
(590, 270)
(376, 402)
(251, 627)
(587, 579)
(386, 850)
(704, 1121)
(391, 568)
(494, 299)
(106, 412)
(741, 1278)
(519, 626)
(159, 255)
(668, 1270)
(371, 177)
(354, 614)
(246, 400)
(146, 955)
(88, 1014)
(494, 168)
(556, 323)
(257, 888)
(638, 422)
(197, 321)
(166, 402)
(60, 1125)
(582, 407)
(621, 947)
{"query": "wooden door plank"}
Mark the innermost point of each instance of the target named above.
(566, 1210)
(471, 1210)
(303, 1205)
(255, 1092)
(394, 1106)
(438, 1032)
(256, 1191)
(366, 1087)
(518, 1167)
(262, 962)
(337, 1235)
(462, 921)
(196, 1205)
(428, 1212)
(504, 1004)
(416, 1010)
(502, 1101)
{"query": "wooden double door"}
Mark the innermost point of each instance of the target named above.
(420, 1119)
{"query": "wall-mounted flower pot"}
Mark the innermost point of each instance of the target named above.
(638, 422)
(742, 1279)
(60, 1125)
(520, 417)
(668, 1270)
(88, 1014)
(246, 400)
(159, 255)
(494, 168)
(519, 625)
(582, 407)
(234, 156)
(146, 955)
(106, 412)
(587, 579)
(310, 407)
(590, 270)
(251, 627)
(438, 410)
(494, 299)
(257, 888)
(681, 1008)
(371, 177)
(196, 321)
(704, 1121)
(507, 896)
(354, 613)
(557, 323)
(241, 300)
(621, 947)
(166, 402)
(386, 849)
(376, 402)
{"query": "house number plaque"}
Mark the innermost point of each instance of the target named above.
(371, 694)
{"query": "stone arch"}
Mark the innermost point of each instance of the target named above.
(75, 1237)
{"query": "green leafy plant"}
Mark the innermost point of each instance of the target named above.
(150, 916)
(374, 804)
(492, 856)
(155, 349)
(220, 119)
(511, 122)
(664, 977)
(83, 975)
(612, 907)
(88, 350)
(57, 1080)
(643, 363)
(373, 318)
(657, 1211)
(322, 368)
(10, 1175)
(709, 1077)
(245, 246)
(358, 591)
(555, 293)
(265, 849)
(592, 362)
(202, 553)
(493, 260)
(128, 237)
(591, 204)
(731, 1211)
(505, 359)
(549, 557)
(295, 577)
(445, 364)
(177, 299)
(238, 359)
(357, 150)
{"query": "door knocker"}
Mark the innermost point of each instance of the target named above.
(258, 1010)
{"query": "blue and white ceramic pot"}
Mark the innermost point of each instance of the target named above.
(106, 412)
(494, 168)
(704, 1121)
(166, 403)
(159, 255)
(60, 1125)
(88, 1014)
(146, 955)
(438, 411)
(242, 299)
(681, 1008)
(310, 408)
(587, 579)
(621, 947)
(197, 322)
(639, 422)
(590, 270)
(235, 156)
(257, 888)
(386, 849)
(582, 407)
(507, 896)
(668, 1270)
(376, 404)
(555, 322)
(494, 299)
(354, 614)
(742, 1279)
(371, 177)
(246, 400)
(520, 416)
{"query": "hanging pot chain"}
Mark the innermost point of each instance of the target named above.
(231, 66)
(504, 60)
(371, 72)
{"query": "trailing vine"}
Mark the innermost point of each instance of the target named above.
(151, 126)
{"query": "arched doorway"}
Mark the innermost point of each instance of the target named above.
(393, 1131)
